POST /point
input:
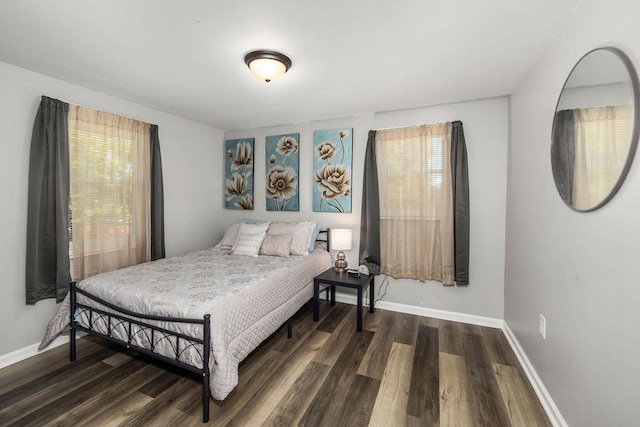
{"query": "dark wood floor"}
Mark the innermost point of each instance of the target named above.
(400, 370)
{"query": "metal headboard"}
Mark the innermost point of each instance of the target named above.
(324, 239)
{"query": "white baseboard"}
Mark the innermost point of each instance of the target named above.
(31, 350)
(543, 395)
(427, 312)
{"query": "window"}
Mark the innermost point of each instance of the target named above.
(416, 209)
(110, 186)
(90, 197)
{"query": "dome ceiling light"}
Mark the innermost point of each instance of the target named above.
(267, 65)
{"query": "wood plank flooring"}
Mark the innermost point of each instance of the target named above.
(401, 370)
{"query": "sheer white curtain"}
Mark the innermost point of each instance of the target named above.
(416, 207)
(602, 138)
(110, 192)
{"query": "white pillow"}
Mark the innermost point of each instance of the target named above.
(231, 233)
(306, 231)
(251, 229)
(248, 243)
(302, 232)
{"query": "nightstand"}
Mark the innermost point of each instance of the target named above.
(332, 278)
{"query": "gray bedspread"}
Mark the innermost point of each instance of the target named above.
(248, 299)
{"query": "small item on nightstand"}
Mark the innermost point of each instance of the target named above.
(353, 273)
(363, 269)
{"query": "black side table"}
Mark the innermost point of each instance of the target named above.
(332, 278)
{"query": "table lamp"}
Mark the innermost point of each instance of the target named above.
(340, 241)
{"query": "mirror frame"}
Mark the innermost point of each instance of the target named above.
(633, 144)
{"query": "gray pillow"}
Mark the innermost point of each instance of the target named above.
(276, 245)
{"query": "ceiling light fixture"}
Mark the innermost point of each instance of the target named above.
(267, 65)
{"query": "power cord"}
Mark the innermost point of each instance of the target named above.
(385, 283)
(381, 293)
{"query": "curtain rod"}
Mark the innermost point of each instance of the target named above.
(415, 126)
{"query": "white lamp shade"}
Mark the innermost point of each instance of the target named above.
(267, 69)
(340, 239)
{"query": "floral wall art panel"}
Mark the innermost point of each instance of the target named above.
(238, 167)
(282, 172)
(332, 159)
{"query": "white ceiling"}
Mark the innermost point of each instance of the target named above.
(350, 57)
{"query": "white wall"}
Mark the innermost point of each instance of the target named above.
(486, 126)
(192, 184)
(578, 269)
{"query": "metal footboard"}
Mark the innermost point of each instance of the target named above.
(135, 325)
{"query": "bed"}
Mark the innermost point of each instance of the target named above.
(204, 311)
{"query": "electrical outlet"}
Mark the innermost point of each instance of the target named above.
(542, 327)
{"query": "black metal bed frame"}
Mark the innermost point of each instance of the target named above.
(126, 320)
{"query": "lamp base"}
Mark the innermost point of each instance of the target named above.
(341, 262)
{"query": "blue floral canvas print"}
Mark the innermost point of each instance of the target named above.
(238, 167)
(332, 160)
(282, 157)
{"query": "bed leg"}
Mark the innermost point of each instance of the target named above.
(205, 368)
(205, 398)
(289, 327)
(72, 325)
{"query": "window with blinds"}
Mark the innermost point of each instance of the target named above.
(413, 181)
(416, 217)
(102, 168)
(109, 192)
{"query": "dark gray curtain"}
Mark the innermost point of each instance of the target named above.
(562, 153)
(47, 264)
(460, 181)
(157, 198)
(370, 214)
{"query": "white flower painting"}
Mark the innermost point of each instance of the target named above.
(238, 187)
(282, 172)
(332, 170)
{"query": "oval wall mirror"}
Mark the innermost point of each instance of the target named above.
(595, 130)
